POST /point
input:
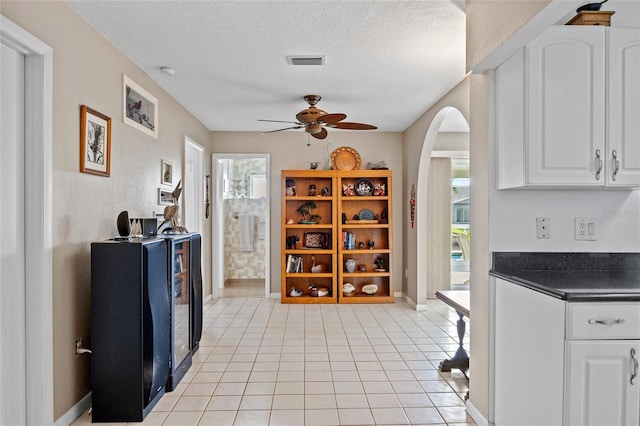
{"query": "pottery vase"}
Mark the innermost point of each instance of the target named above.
(350, 265)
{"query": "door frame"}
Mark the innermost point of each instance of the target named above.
(217, 230)
(197, 203)
(38, 222)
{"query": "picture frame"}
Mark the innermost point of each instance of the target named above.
(164, 197)
(166, 176)
(95, 142)
(139, 108)
(317, 240)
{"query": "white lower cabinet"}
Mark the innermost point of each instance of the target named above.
(598, 383)
(560, 363)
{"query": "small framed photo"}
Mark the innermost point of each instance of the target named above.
(164, 197)
(95, 142)
(139, 108)
(167, 173)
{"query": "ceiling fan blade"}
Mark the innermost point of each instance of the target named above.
(280, 121)
(353, 126)
(286, 128)
(321, 134)
(331, 118)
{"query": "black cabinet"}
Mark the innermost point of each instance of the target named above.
(196, 291)
(130, 328)
(181, 301)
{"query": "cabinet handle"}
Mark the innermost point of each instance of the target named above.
(598, 164)
(616, 164)
(635, 366)
(607, 321)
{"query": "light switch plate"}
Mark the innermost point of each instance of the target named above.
(586, 228)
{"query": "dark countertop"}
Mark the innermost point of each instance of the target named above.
(574, 277)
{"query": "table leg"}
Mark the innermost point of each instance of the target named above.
(460, 360)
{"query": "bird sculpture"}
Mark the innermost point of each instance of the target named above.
(171, 213)
(591, 6)
(176, 192)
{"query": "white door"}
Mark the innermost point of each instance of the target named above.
(566, 91)
(624, 107)
(193, 184)
(599, 389)
(13, 408)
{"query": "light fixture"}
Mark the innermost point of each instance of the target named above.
(168, 71)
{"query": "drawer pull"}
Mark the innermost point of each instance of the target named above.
(607, 321)
(635, 365)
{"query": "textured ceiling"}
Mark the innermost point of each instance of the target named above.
(387, 62)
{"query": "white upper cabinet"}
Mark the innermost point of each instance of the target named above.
(553, 106)
(624, 107)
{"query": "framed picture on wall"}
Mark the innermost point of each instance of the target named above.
(167, 173)
(95, 142)
(165, 198)
(139, 108)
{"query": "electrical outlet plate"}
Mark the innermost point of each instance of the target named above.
(543, 228)
(586, 228)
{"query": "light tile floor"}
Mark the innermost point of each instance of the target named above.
(264, 363)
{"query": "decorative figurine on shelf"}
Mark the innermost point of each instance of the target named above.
(312, 165)
(591, 6)
(291, 242)
(171, 214)
(291, 187)
(305, 212)
(325, 191)
(348, 190)
(312, 190)
(294, 293)
(344, 218)
(379, 189)
(370, 244)
(361, 245)
(124, 226)
(379, 264)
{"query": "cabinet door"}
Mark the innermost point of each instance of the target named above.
(623, 162)
(566, 99)
(598, 386)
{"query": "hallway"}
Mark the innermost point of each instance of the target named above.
(264, 363)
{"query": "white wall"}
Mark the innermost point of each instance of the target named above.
(513, 214)
(87, 70)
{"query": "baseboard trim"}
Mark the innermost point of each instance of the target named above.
(74, 412)
(413, 304)
(476, 415)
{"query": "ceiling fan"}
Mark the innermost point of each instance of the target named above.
(314, 120)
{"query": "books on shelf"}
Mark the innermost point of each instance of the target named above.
(294, 264)
(348, 241)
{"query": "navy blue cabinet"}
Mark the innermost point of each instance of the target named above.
(130, 328)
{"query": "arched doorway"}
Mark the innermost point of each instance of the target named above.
(447, 138)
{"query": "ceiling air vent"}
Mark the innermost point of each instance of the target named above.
(306, 60)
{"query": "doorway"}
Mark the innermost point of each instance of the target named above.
(194, 193)
(460, 229)
(26, 396)
(241, 218)
(446, 142)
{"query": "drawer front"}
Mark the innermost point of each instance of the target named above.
(603, 321)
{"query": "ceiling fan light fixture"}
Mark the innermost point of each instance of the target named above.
(305, 60)
(313, 128)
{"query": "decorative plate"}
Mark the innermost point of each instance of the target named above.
(365, 214)
(345, 158)
(363, 187)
